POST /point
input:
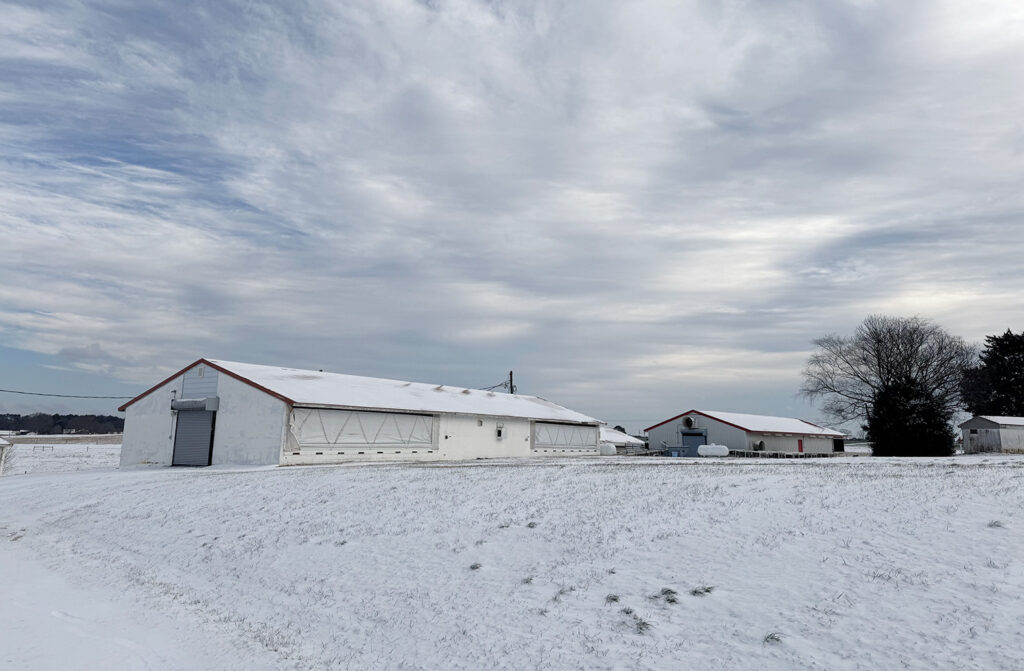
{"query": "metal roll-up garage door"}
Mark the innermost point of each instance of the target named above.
(193, 438)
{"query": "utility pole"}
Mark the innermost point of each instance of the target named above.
(511, 386)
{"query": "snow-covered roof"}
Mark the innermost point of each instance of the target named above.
(761, 423)
(3, 443)
(314, 388)
(1004, 421)
(610, 435)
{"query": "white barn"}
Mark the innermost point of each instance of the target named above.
(617, 442)
(989, 433)
(682, 434)
(223, 412)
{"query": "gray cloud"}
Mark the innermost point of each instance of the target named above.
(639, 206)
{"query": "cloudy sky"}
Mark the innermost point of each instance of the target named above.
(640, 207)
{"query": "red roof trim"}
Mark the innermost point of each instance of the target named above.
(743, 428)
(214, 366)
(670, 419)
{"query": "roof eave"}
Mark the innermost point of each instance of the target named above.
(216, 367)
(411, 411)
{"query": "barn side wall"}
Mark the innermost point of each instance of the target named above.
(722, 434)
(473, 437)
(149, 428)
(250, 427)
(1012, 439)
(784, 443)
(718, 433)
(986, 439)
(666, 433)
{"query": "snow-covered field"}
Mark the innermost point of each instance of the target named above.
(56, 457)
(603, 563)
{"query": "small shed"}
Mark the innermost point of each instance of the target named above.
(683, 434)
(617, 442)
(225, 412)
(990, 433)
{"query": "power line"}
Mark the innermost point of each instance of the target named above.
(34, 393)
(507, 385)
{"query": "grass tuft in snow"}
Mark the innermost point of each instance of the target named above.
(670, 595)
(772, 637)
(996, 524)
(640, 625)
(531, 525)
(474, 566)
(702, 590)
(527, 580)
(611, 598)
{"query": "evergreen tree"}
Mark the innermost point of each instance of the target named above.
(906, 420)
(996, 387)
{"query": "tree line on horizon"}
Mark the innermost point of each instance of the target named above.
(45, 424)
(905, 379)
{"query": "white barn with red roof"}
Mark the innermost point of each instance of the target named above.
(223, 412)
(682, 434)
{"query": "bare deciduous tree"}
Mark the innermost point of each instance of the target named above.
(848, 372)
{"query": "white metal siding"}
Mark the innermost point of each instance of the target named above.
(791, 443)
(476, 437)
(149, 428)
(195, 386)
(666, 433)
(1012, 439)
(251, 425)
(720, 433)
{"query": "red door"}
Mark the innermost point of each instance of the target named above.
(800, 445)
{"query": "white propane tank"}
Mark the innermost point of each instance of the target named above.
(712, 450)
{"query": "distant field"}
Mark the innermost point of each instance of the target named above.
(603, 563)
(67, 439)
(56, 457)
